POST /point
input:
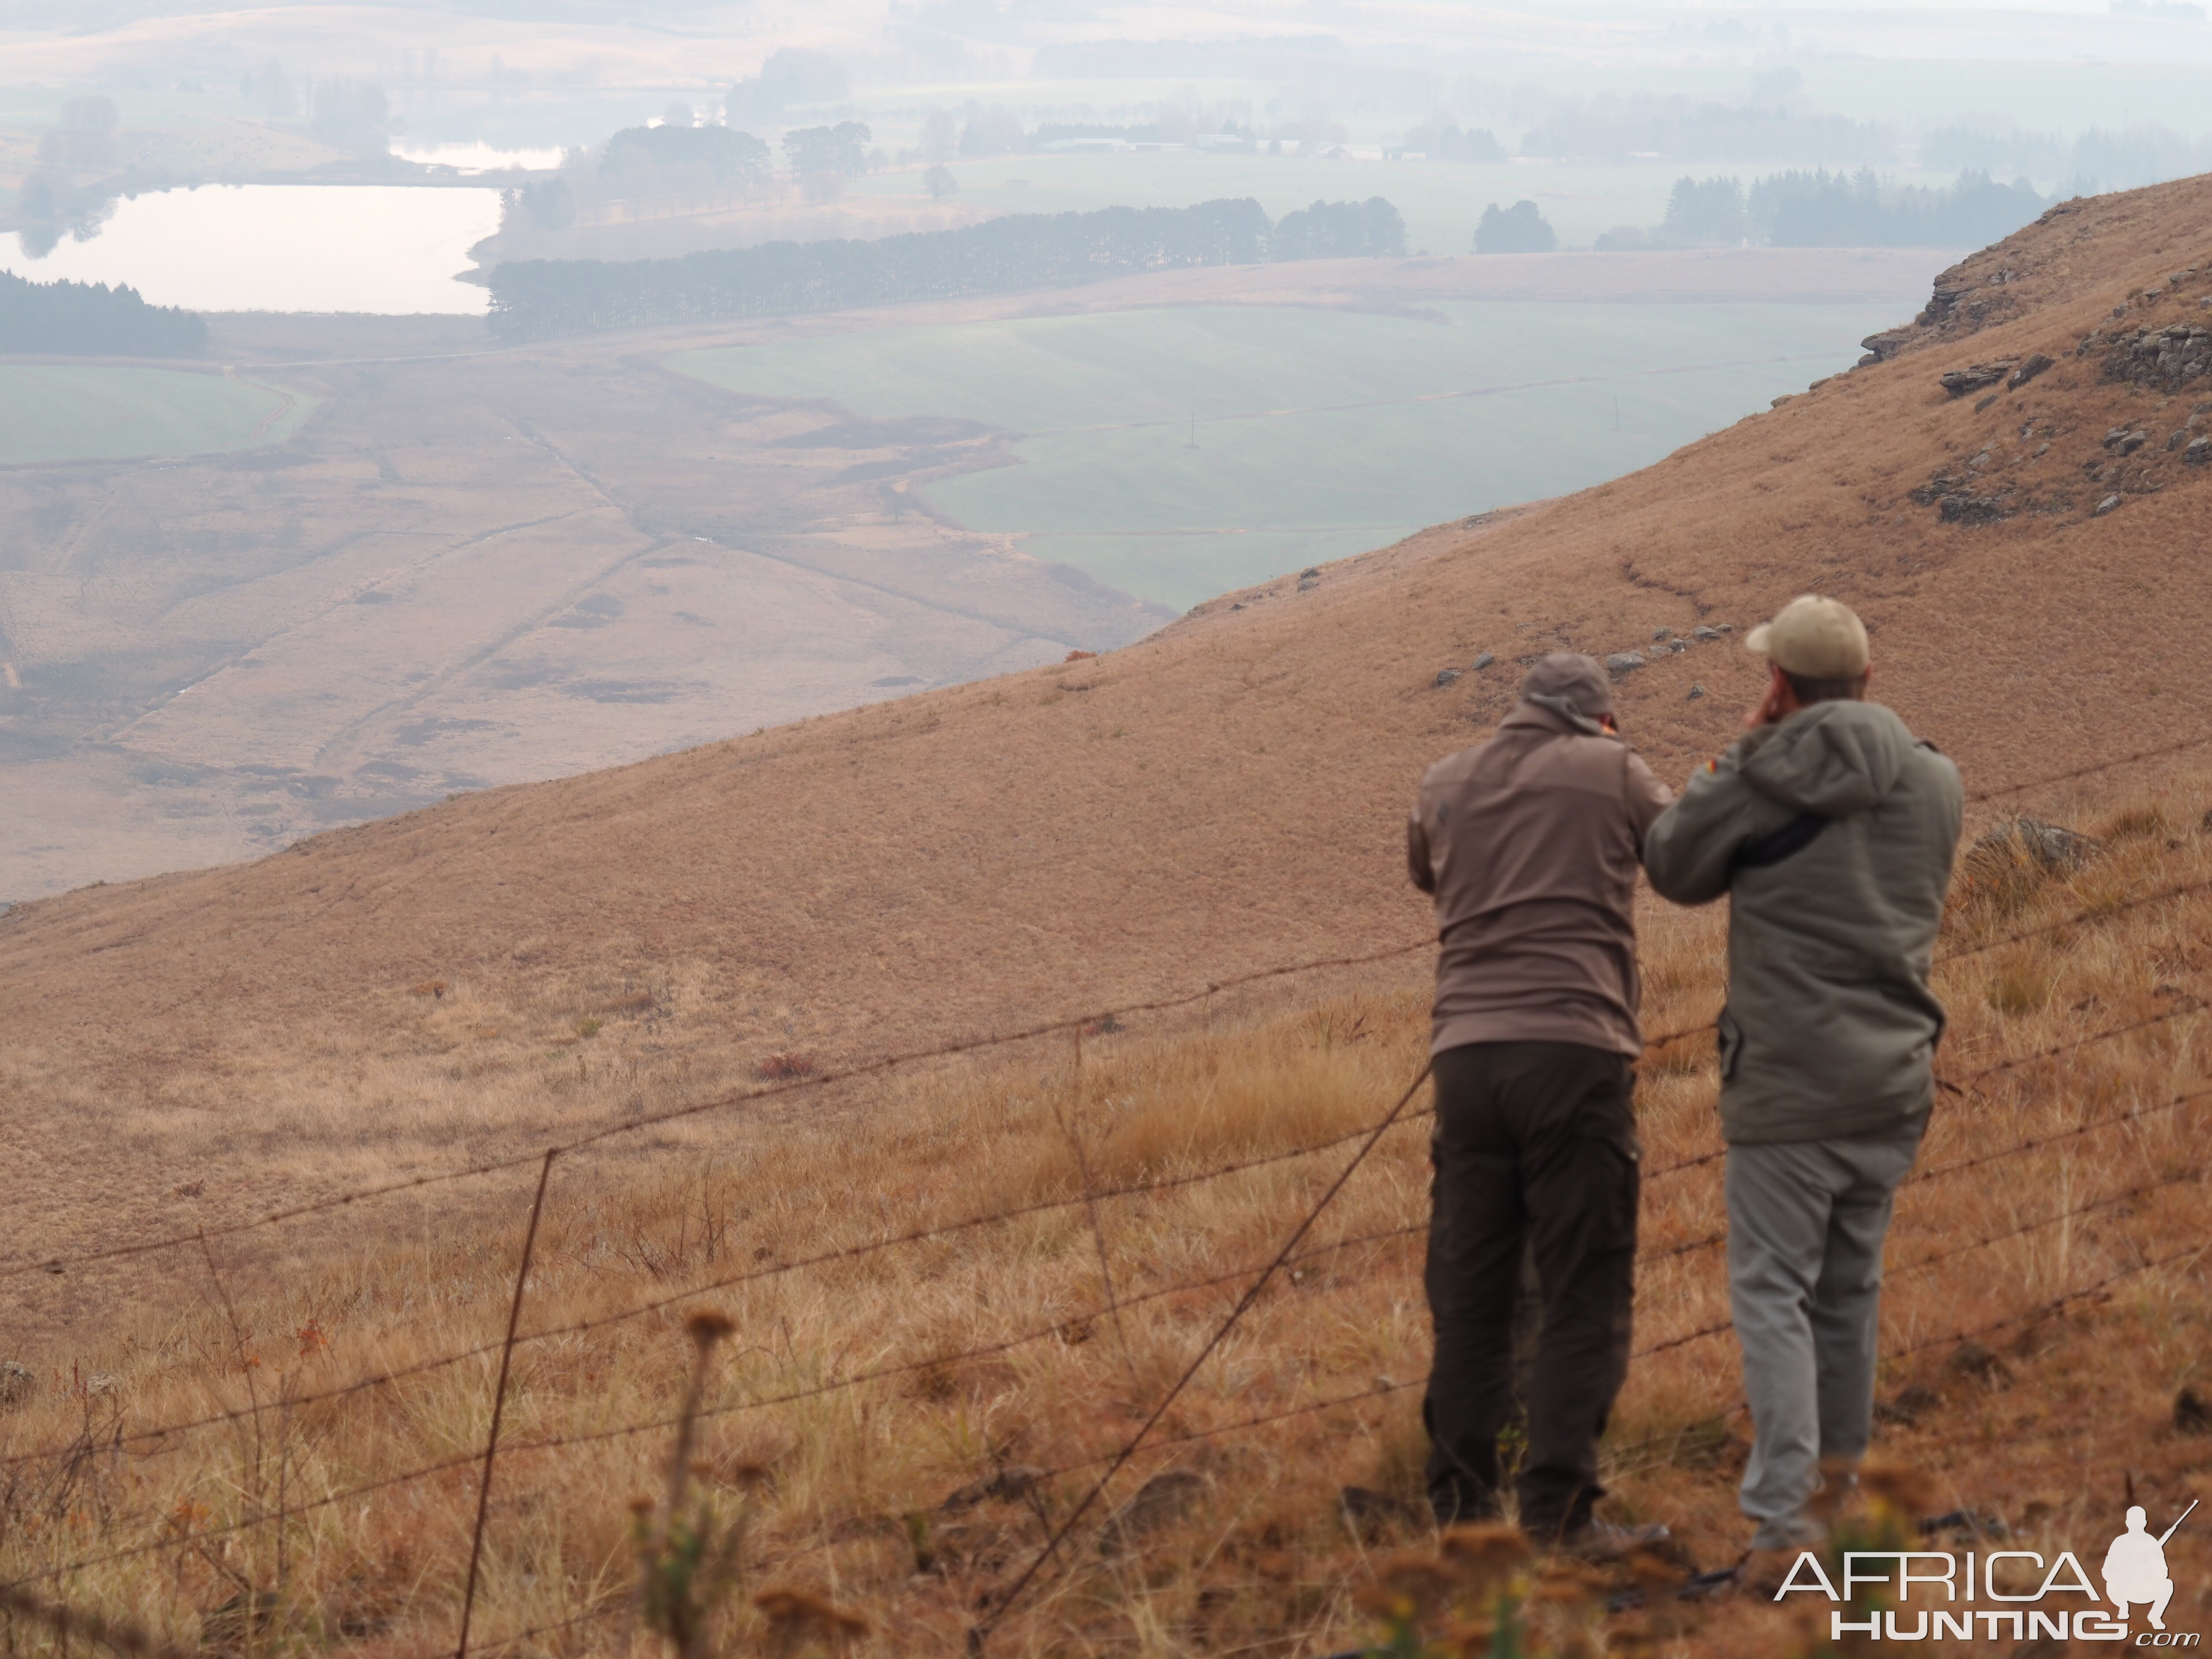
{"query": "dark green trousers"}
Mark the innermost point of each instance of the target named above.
(1536, 1151)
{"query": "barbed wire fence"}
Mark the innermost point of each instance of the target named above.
(18, 1600)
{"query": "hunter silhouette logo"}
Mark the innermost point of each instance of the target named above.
(2134, 1567)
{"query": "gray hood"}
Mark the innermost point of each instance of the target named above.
(1834, 759)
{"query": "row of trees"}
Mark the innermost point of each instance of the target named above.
(91, 319)
(1339, 230)
(1616, 128)
(2115, 158)
(345, 113)
(1181, 119)
(641, 160)
(1819, 208)
(536, 298)
(1520, 229)
(1439, 140)
(676, 158)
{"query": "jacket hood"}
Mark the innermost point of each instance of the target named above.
(1564, 709)
(1573, 678)
(1834, 759)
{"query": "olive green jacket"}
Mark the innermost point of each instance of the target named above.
(1832, 834)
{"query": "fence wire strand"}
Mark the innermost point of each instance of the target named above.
(136, 1644)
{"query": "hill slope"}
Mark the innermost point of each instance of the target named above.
(1225, 794)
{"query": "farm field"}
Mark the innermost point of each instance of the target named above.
(58, 413)
(478, 567)
(1173, 454)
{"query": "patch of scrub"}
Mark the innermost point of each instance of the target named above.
(68, 412)
(1176, 453)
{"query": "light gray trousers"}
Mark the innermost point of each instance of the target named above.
(1806, 1224)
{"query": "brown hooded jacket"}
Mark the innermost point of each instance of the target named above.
(1530, 843)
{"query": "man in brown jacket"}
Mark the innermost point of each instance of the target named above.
(1530, 843)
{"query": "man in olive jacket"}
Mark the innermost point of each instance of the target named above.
(1831, 830)
(1528, 843)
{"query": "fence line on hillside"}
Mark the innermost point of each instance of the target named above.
(980, 1633)
(821, 1080)
(654, 1425)
(2188, 1005)
(1116, 1460)
(122, 1636)
(1285, 1258)
(2179, 746)
(2028, 1316)
(855, 1252)
(936, 1360)
(56, 1264)
(2195, 1172)
(830, 1531)
(886, 1063)
(385, 1379)
(65, 1621)
(2031, 1143)
(847, 1253)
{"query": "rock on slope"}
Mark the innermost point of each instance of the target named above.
(1228, 792)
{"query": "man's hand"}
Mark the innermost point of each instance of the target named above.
(1776, 706)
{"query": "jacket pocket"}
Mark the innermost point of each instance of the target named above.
(1731, 1036)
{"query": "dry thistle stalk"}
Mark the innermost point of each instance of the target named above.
(689, 1562)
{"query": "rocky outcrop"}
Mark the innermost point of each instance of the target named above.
(1966, 499)
(1880, 348)
(2167, 358)
(1960, 381)
(2049, 849)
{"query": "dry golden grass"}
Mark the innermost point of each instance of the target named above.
(1222, 796)
(462, 982)
(857, 1395)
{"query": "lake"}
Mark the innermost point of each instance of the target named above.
(391, 248)
(477, 157)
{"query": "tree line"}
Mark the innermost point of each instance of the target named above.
(1819, 208)
(536, 298)
(1618, 127)
(91, 319)
(2100, 158)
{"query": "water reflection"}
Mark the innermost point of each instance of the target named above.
(391, 248)
(477, 157)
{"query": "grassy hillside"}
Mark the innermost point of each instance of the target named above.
(910, 1401)
(56, 413)
(1225, 794)
(455, 987)
(1172, 454)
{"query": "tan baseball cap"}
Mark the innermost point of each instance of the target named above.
(1815, 638)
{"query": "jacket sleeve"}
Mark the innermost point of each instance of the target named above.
(1646, 797)
(1417, 852)
(1689, 851)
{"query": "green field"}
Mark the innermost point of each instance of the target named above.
(1316, 433)
(69, 413)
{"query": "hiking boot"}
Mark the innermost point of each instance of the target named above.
(1602, 1541)
(1454, 1505)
